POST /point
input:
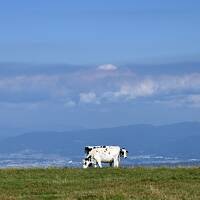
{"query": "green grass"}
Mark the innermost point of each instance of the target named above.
(101, 184)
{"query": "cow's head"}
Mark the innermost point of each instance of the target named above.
(88, 149)
(87, 162)
(123, 153)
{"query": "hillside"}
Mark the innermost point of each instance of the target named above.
(181, 139)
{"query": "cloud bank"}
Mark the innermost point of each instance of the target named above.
(106, 84)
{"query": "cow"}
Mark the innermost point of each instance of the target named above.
(96, 155)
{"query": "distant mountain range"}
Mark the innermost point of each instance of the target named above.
(180, 139)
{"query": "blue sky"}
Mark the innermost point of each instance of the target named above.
(98, 63)
(91, 32)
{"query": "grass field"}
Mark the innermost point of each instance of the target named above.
(107, 183)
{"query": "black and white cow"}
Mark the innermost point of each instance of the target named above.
(96, 155)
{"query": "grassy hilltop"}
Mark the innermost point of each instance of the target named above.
(107, 183)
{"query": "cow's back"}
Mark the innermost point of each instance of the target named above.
(105, 154)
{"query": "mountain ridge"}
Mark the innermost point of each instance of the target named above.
(179, 139)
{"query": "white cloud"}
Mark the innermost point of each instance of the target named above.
(120, 85)
(181, 82)
(89, 97)
(152, 86)
(70, 104)
(141, 89)
(107, 67)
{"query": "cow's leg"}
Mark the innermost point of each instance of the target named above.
(116, 163)
(95, 164)
(111, 164)
(98, 161)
